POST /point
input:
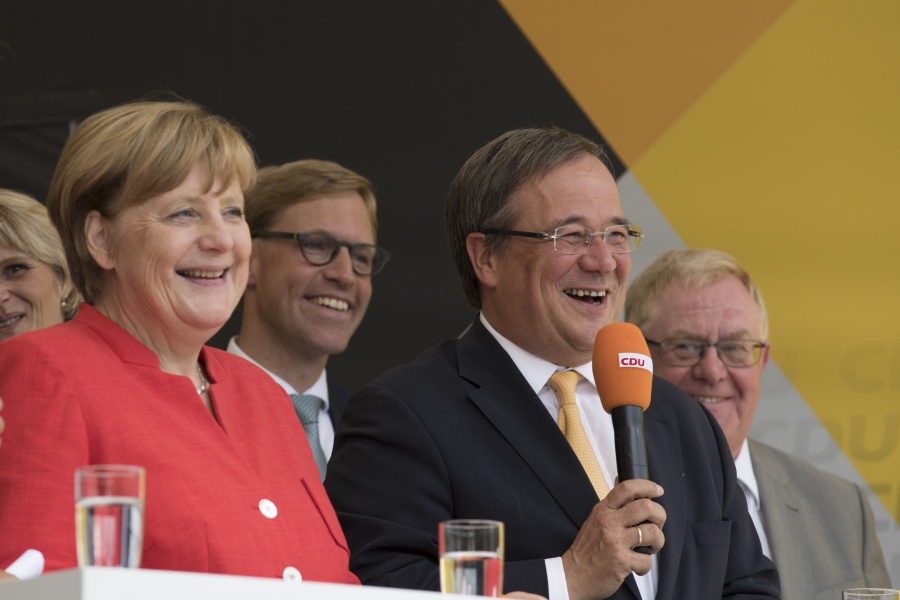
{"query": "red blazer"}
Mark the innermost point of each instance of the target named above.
(86, 392)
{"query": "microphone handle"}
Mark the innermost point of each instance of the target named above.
(631, 449)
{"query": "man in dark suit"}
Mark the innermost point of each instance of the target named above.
(313, 224)
(469, 429)
(708, 330)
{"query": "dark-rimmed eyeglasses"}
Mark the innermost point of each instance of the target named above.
(575, 239)
(319, 249)
(688, 352)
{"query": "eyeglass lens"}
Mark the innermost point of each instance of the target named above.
(319, 249)
(733, 353)
(575, 239)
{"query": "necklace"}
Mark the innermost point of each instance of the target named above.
(204, 384)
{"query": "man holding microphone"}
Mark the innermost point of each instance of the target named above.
(471, 429)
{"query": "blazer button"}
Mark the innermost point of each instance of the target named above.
(291, 574)
(268, 508)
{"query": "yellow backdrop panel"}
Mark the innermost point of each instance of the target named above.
(636, 67)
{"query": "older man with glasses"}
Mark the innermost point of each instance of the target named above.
(705, 322)
(306, 296)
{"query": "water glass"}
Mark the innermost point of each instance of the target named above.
(471, 555)
(871, 594)
(109, 515)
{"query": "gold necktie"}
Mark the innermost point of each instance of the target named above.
(563, 385)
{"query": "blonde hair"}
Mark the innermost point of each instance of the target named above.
(128, 154)
(695, 268)
(280, 187)
(25, 226)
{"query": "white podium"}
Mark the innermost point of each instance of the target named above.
(98, 583)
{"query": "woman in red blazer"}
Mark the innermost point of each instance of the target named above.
(148, 200)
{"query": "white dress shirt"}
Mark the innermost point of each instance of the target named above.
(747, 480)
(598, 427)
(319, 388)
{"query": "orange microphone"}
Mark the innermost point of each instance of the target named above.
(623, 372)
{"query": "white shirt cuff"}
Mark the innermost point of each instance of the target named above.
(556, 579)
(27, 566)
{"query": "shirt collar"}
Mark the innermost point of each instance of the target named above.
(319, 388)
(535, 369)
(746, 476)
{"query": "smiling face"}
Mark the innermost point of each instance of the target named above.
(721, 311)
(310, 311)
(176, 265)
(31, 293)
(550, 303)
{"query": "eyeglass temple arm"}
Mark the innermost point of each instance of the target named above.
(276, 234)
(530, 234)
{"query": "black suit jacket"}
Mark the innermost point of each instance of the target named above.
(337, 402)
(459, 434)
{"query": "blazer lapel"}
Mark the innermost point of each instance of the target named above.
(504, 397)
(783, 519)
(666, 469)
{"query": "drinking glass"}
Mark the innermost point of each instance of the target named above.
(471, 553)
(871, 594)
(109, 515)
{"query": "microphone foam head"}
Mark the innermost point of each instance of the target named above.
(623, 369)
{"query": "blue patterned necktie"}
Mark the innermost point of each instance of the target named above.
(308, 408)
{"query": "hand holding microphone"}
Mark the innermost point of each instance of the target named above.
(623, 373)
(603, 554)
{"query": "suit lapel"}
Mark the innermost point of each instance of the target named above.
(504, 397)
(337, 402)
(666, 469)
(783, 519)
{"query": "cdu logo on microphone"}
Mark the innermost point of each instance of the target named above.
(635, 360)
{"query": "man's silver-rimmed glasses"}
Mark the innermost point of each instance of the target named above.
(575, 239)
